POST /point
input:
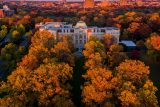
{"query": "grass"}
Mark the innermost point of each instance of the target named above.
(78, 81)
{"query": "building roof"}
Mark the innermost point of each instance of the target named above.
(81, 24)
(128, 43)
(65, 25)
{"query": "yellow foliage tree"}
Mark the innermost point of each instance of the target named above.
(98, 87)
(133, 70)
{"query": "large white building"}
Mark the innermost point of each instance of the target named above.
(79, 33)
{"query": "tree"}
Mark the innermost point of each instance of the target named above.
(43, 38)
(153, 45)
(139, 31)
(93, 47)
(48, 20)
(115, 56)
(153, 42)
(128, 99)
(3, 31)
(45, 86)
(39, 19)
(10, 55)
(147, 95)
(41, 44)
(134, 87)
(40, 79)
(94, 61)
(16, 36)
(63, 51)
(125, 19)
(98, 87)
(102, 87)
(108, 40)
(21, 29)
(133, 70)
(133, 27)
(95, 54)
(154, 21)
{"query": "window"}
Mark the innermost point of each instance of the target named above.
(76, 41)
(76, 36)
(59, 30)
(72, 30)
(103, 30)
(80, 32)
(80, 42)
(80, 36)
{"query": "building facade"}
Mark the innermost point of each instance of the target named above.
(80, 33)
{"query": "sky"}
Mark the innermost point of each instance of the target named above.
(54, 0)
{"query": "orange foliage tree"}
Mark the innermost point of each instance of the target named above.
(115, 52)
(63, 50)
(153, 45)
(108, 40)
(154, 42)
(99, 83)
(98, 87)
(134, 84)
(127, 85)
(40, 79)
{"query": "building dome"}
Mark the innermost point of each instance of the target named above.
(81, 24)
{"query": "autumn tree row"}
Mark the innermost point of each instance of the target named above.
(44, 76)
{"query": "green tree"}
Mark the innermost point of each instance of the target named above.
(16, 36)
(10, 55)
(21, 29)
(3, 31)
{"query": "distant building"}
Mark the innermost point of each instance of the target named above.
(79, 33)
(89, 4)
(105, 3)
(6, 8)
(139, 2)
(64, 1)
(128, 45)
(7, 11)
(123, 2)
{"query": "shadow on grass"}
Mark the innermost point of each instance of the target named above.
(78, 81)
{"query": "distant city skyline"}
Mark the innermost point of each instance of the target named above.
(59, 0)
(74, 0)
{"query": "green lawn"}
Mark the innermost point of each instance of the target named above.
(78, 81)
